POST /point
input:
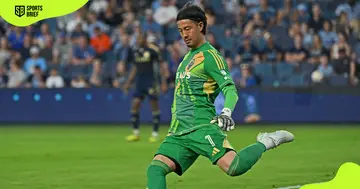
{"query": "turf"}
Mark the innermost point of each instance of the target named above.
(97, 157)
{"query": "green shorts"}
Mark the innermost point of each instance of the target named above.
(207, 141)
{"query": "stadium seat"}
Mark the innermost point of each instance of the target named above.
(75, 70)
(217, 6)
(109, 57)
(276, 4)
(227, 43)
(285, 42)
(172, 34)
(352, 41)
(338, 80)
(296, 80)
(307, 68)
(269, 80)
(218, 31)
(181, 3)
(109, 69)
(52, 23)
(66, 71)
(284, 70)
(87, 70)
(263, 69)
(58, 67)
(357, 49)
(277, 32)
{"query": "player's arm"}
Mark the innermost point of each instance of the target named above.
(216, 67)
(130, 78)
(132, 73)
(231, 97)
(162, 67)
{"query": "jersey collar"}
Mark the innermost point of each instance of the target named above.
(193, 50)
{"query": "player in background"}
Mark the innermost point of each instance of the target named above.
(195, 128)
(145, 71)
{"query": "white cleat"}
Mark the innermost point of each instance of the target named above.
(274, 139)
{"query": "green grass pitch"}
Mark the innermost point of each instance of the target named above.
(97, 157)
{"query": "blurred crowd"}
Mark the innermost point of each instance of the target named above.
(265, 42)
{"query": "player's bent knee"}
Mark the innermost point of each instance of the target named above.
(158, 167)
(167, 161)
(225, 161)
(156, 174)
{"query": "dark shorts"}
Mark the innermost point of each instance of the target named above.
(146, 87)
(209, 142)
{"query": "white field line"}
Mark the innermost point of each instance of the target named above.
(290, 187)
(294, 187)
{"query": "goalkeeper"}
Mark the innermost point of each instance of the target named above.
(195, 128)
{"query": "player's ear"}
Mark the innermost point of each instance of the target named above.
(201, 26)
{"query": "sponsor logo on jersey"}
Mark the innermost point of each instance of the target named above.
(143, 57)
(190, 64)
(215, 151)
(183, 75)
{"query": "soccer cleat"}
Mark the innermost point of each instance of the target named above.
(133, 138)
(274, 139)
(153, 139)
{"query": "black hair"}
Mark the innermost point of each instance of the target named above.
(143, 35)
(193, 12)
(324, 54)
(330, 24)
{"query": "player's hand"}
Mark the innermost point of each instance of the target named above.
(224, 120)
(125, 88)
(164, 88)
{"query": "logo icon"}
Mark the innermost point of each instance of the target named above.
(19, 10)
(215, 151)
(223, 72)
(191, 64)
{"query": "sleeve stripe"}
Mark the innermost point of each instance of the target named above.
(221, 62)
(218, 59)
(215, 58)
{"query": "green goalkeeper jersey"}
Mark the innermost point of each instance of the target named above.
(200, 77)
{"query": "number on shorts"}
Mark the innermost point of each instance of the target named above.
(208, 137)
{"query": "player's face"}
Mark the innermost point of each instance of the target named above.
(141, 40)
(190, 32)
(323, 60)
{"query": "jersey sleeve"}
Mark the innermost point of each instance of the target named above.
(156, 51)
(216, 67)
(127, 55)
(155, 55)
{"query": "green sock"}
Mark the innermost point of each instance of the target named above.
(246, 158)
(156, 174)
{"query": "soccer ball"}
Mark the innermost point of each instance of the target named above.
(317, 76)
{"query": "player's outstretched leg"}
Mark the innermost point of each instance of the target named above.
(157, 171)
(156, 120)
(135, 119)
(235, 164)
